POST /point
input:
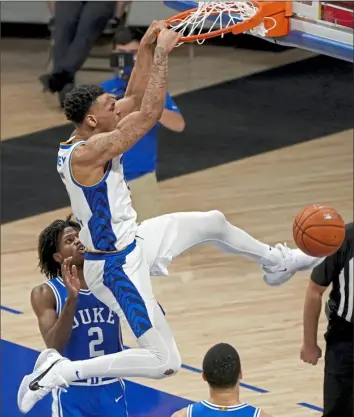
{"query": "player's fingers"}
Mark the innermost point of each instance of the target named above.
(160, 25)
(74, 271)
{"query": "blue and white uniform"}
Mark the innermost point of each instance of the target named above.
(105, 212)
(117, 265)
(120, 258)
(96, 331)
(207, 409)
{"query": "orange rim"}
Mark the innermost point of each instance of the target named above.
(278, 10)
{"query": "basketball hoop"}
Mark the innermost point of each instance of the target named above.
(260, 18)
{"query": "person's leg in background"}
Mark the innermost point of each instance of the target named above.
(145, 196)
(92, 22)
(77, 26)
(67, 16)
(51, 8)
(121, 12)
(338, 374)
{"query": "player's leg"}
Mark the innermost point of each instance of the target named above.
(111, 400)
(167, 236)
(172, 234)
(72, 402)
(127, 290)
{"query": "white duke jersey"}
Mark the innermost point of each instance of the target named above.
(104, 211)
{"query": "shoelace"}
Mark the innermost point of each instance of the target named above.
(287, 256)
(286, 252)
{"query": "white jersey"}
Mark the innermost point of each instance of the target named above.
(104, 210)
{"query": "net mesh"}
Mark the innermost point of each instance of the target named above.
(219, 15)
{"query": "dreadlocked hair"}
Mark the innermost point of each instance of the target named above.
(48, 243)
(78, 101)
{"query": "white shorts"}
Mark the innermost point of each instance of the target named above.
(122, 280)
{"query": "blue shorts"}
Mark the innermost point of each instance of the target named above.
(90, 401)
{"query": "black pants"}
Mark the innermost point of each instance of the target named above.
(338, 376)
(78, 24)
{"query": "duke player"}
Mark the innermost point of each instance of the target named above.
(222, 372)
(120, 255)
(74, 322)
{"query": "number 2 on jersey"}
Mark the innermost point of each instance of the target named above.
(94, 344)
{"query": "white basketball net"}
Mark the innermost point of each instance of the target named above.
(218, 15)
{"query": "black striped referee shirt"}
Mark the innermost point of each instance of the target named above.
(337, 270)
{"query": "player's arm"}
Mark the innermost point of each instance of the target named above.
(140, 75)
(101, 148)
(56, 331)
(180, 413)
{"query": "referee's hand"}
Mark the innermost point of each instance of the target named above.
(310, 354)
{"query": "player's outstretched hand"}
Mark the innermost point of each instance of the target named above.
(153, 30)
(70, 277)
(168, 39)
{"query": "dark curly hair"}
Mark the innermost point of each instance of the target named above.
(222, 366)
(48, 245)
(78, 101)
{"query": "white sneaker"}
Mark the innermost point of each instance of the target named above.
(285, 268)
(42, 381)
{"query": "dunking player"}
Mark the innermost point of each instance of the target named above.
(74, 322)
(120, 255)
(222, 371)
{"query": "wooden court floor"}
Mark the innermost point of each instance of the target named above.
(209, 297)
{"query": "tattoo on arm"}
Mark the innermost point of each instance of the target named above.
(137, 124)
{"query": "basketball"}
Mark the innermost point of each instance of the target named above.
(318, 230)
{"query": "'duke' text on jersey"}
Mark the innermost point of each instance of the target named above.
(94, 315)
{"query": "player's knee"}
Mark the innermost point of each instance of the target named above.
(173, 365)
(218, 218)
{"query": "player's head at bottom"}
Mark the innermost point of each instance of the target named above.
(222, 367)
(59, 241)
(92, 110)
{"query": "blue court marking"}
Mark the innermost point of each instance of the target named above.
(311, 406)
(10, 310)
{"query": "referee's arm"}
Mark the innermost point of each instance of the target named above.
(321, 277)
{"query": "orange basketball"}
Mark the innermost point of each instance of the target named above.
(318, 230)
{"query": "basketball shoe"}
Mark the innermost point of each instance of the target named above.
(292, 261)
(44, 378)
